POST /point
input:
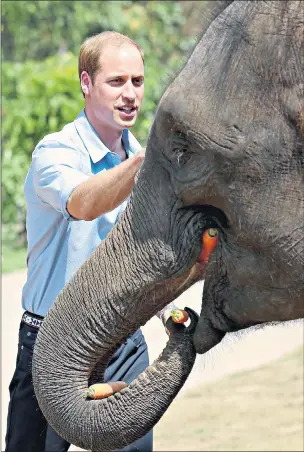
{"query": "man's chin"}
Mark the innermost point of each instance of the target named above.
(126, 124)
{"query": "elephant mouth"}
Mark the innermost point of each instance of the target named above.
(213, 223)
(198, 270)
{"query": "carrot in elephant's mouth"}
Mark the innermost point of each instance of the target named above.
(104, 390)
(209, 241)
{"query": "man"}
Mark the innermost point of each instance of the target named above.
(76, 188)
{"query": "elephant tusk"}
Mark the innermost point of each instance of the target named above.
(192, 274)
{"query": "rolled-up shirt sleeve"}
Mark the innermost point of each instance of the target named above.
(56, 173)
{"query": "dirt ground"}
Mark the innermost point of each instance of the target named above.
(238, 352)
(256, 410)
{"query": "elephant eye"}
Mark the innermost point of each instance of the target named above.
(182, 156)
(180, 148)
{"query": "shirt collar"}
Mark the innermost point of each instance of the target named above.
(93, 143)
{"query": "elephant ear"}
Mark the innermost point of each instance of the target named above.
(301, 120)
(212, 10)
(292, 102)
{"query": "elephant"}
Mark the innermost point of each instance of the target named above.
(225, 151)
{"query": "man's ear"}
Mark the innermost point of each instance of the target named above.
(86, 81)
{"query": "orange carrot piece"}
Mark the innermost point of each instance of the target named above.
(104, 390)
(179, 316)
(210, 239)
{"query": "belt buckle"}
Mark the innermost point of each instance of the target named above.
(31, 321)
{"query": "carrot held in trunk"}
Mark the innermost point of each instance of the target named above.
(179, 316)
(104, 390)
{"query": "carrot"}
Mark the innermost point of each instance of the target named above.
(210, 239)
(104, 390)
(179, 316)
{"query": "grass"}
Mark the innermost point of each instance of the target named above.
(256, 410)
(13, 257)
(13, 248)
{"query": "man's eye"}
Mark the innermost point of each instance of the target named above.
(138, 81)
(115, 80)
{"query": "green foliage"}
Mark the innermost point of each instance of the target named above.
(38, 98)
(41, 90)
(38, 29)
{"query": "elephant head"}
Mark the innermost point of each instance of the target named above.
(225, 151)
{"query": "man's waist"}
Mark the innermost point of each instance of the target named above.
(32, 319)
(36, 321)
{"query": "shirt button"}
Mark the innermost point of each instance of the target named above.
(28, 334)
(21, 347)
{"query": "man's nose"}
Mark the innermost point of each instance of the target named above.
(129, 92)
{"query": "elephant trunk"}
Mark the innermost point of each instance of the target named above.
(108, 424)
(94, 313)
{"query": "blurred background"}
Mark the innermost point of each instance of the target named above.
(40, 86)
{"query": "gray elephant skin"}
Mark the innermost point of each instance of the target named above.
(226, 150)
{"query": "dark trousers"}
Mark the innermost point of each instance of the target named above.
(27, 429)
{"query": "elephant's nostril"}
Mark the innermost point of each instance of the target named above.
(180, 326)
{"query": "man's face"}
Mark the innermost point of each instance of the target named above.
(115, 97)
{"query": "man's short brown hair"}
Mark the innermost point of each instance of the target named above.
(91, 49)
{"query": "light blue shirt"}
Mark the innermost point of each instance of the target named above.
(58, 243)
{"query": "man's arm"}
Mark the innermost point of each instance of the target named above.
(104, 191)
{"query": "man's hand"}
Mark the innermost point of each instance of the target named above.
(140, 156)
(142, 152)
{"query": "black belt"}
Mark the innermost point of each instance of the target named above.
(32, 320)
